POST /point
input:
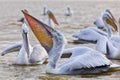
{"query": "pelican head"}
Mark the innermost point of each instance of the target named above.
(68, 8)
(109, 20)
(99, 23)
(25, 38)
(109, 12)
(52, 17)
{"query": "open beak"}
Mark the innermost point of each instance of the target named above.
(111, 22)
(40, 30)
(52, 17)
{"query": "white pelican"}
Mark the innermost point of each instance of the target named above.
(27, 54)
(51, 20)
(102, 38)
(89, 62)
(114, 38)
(113, 43)
(45, 10)
(113, 52)
(100, 25)
(87, 34)
(99, 21)
(68, 12)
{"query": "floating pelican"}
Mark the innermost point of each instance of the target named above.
(51, 20)
(53, 42)
(105, 43)
(100, 25)
(68, 12)
(27, 54)
(87, 34)
(112, 51)
(112, 43)
(45, 10)
(114, 38)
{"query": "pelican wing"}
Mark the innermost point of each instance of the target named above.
(99, 31)
(38, 55)
(11, 48)
(89, 34)
(86, 61)
(76, 51)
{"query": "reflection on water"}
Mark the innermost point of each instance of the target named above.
(85, 12)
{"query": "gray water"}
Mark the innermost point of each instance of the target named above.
(85, 12)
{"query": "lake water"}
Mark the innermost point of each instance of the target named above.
(85, 12)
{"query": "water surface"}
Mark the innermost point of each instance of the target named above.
(85, 12)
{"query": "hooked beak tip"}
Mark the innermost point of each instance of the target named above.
(23, 12)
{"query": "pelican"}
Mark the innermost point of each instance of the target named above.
(105, 44)
(112, 51)
(53, 41)
(68, 12)
(90, 31)
(51, 20)
(45, 10)
(112, 44)
(27, 54)
(87, 34)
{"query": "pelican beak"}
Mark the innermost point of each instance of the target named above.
(111, 15)
(52, 17)
(111, 22)
(26, 45)
(42, 32)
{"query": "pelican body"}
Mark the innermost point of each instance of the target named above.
(90, 62)
(68, 12)
(27, 54)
